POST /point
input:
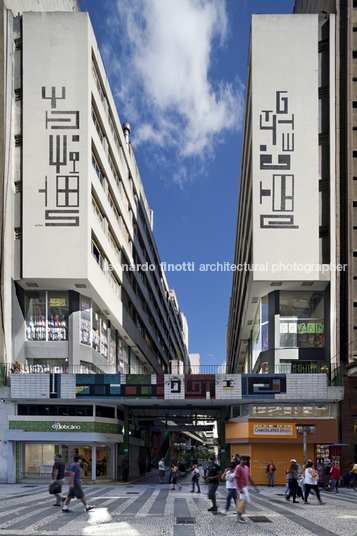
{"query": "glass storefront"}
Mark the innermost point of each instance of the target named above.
(46, 315)
(38, 459)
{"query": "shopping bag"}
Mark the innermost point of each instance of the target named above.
(241, 505)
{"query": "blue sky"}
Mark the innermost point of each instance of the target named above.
(177, 69)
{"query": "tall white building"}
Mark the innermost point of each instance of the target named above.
(82, 282)
(283, 301)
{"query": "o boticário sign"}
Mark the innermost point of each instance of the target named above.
(273, 429)
(63, 427)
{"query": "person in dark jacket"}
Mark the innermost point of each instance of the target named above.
(58, 477)
(270, 472)
(293, 482)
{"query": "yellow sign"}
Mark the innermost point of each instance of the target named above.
(57, 302)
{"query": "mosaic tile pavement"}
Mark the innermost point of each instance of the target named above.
(147, 508)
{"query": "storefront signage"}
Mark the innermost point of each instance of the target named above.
(273, 429)
(57, 302)
(59, 426)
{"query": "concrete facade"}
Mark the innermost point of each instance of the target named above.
(76, 213)
(285, 252)
(345, 12)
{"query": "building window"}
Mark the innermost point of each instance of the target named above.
(46, 315)
(321, 411)
(306, 411)
(98, 170)
(275, 411)
(291, 411)
(113, 346)
(103, 336)
(86, 315)
(95, 327)
(260, 329)
(98, 212)
(36, 316)
(301, 319)
(260, 410)
(57, 315)
(123, 356)
(97, 125)
(104, 411)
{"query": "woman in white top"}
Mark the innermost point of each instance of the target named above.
(310, 479)
(195, 479)
(228, 476)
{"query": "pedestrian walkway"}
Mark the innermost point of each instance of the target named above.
(146, 508)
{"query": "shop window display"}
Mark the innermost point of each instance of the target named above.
(104, 336)
(301, 319)
(57, 316)
(260, 334)
(46, 316)
(36, 316)
(113, 346)
(39, 459)
(95, 327)
(123, 356)
(86, 313)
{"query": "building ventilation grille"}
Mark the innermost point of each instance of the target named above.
(324, 184)
(18, 233)
(18, 43)
(323, 231)
(324, 138)
(18, 94)
(323, 45)
(18, 140)
(323, 92)
(18, 187)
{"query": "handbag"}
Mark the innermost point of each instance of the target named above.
(54, 488)
(241, 505)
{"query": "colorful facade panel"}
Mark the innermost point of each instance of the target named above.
(232, 387)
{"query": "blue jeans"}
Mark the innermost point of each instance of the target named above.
(271, 479)
(232, 494)
(197, 482)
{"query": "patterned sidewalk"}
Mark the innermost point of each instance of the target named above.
(146, 509)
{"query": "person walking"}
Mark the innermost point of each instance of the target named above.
(236, 459)
(142, 466)
(126, 467)
(311, 478)
(213, 475)
(172, 463)
(270, 472)
(242, 476)
(161, 470)
(335, 476)
(195, 479)
(293, 483)
(174, 477)
(229, 477)
(75, 488)
(58, 470)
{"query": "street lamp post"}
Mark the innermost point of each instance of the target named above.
(304, 429)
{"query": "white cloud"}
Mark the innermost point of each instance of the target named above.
(160, 56)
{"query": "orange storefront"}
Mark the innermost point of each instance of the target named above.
(276, 440)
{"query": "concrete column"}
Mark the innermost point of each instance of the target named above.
(11, 462)
(94, 462)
